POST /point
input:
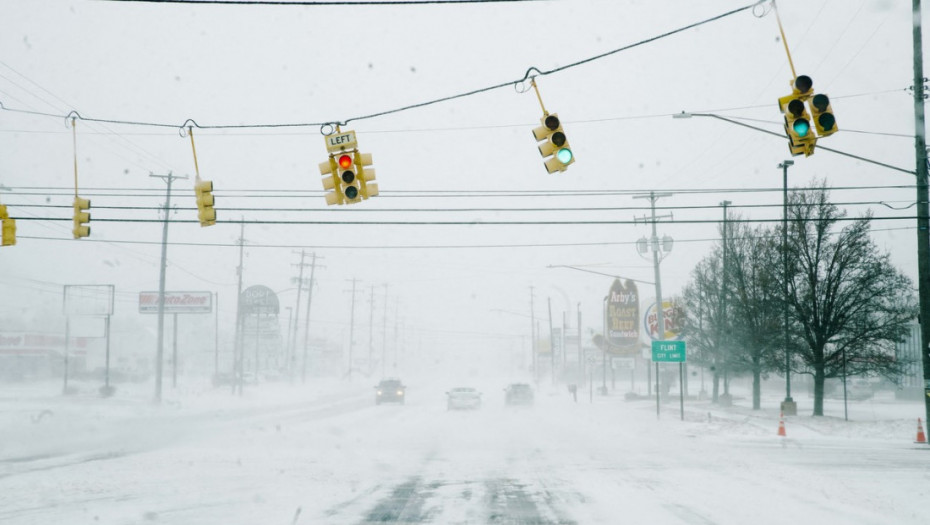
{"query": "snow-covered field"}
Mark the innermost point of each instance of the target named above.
(325, 454)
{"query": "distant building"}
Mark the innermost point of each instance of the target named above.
(910, 384)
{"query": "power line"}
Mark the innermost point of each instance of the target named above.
(322, 2)
(332, 124)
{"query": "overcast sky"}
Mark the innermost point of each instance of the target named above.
(243, 65)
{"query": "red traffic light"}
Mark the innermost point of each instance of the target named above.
(345, 162)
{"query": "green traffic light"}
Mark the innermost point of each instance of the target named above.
(564, 155)
(801, 127)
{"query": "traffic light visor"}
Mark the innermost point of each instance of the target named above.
(552, 122)
(803, 84)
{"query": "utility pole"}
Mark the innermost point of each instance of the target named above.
(721, 332)
(384, 333)
(303, 370)
(533, 337)
(237, 345)
(160, 353)
(371, 328)
(653, 244)
(300, 283)
(923, 208)
(551, 340)
(352, 327)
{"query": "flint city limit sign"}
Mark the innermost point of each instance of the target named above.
(669, 351)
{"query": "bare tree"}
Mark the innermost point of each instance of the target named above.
(704, 317)
(847, 301)
(755, 315)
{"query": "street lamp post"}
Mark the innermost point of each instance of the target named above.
(788, 406)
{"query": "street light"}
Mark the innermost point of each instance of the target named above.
(788, 406)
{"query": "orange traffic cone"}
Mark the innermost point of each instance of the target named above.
(921, 438)
(781, 425)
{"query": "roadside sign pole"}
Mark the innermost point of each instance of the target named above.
(681, 388)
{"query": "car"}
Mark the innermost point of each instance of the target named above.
(390, 391)
(463, 398)
(518, 394)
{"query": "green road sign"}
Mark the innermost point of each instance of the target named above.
(668, 351)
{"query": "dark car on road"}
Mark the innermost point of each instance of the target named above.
(390, 391)
(518, 394)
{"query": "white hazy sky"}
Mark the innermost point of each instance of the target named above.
(232, 65)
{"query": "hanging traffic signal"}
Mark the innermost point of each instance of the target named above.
(822, 115)
(345, 176)
(351, 185)
(366, 175)
(7, 228)
(205, 212)
(797, 122)
(554, 147)
(81, 217)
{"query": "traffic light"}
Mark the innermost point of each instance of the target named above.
(350, 181)
(81, 217)
(554, 147)
(205, 212)
(366, 175)
(797, 122)
(822, 114)
(7, 228)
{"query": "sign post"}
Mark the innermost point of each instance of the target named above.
(671, 352)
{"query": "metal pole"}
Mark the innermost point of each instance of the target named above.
(174, 352)
(923, 209)
(237, 345)
(106, 381)
(384, 333)
(303, 370)
(578, 375)
(371, 329)
(216, 333)
(788, 407)
(551, 340)
(64, 389)
(845, 406)
(352, 328)
(533, 337)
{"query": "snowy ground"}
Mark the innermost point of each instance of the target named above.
(325, 454)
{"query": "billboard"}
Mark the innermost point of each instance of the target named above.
(622, 318)
(673, 317)
(177, 302)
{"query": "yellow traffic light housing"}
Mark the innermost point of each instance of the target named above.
(822, 114)
(205, 211)
(346, 177)
(801, 138)
(7, 228)
(81, 217)
(366, 175)
(554, 146)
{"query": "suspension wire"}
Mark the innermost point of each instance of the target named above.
(74, 140)
(517, 82)
(794, 75)
(322, 2)
(484, 223)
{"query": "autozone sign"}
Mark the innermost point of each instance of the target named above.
(177, 302)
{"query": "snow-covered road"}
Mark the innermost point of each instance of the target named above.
(330, 456)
